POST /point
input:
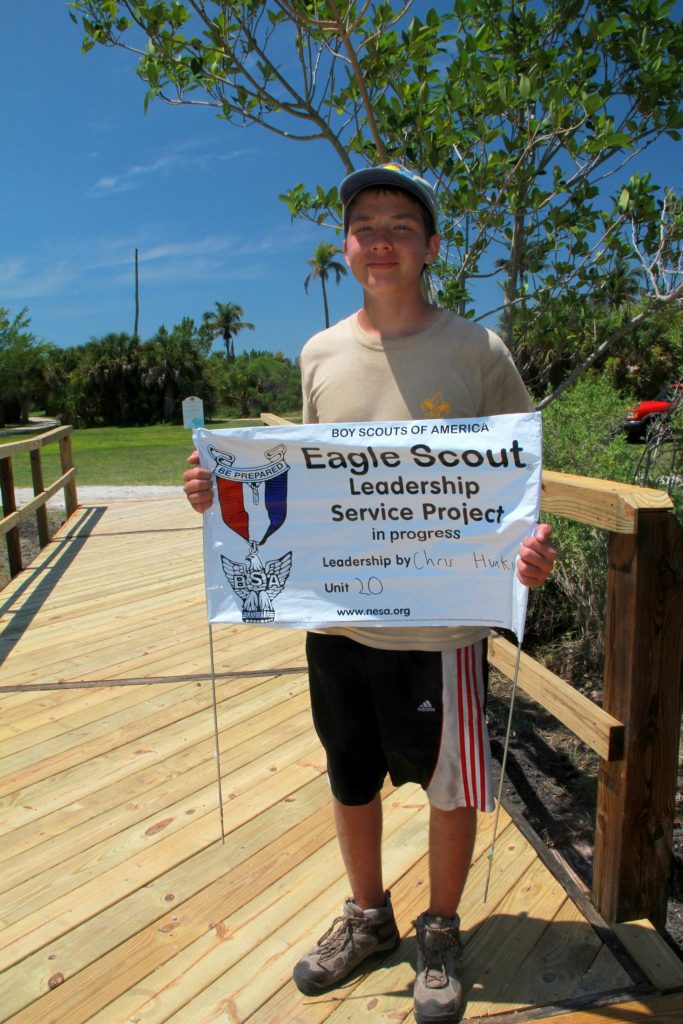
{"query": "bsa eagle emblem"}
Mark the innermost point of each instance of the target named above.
(253, 502)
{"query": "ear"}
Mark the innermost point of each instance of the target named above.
(345, 251)
(433, 246)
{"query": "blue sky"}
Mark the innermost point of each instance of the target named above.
(88, 177)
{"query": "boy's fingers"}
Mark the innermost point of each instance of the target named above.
(543, 532)
(198, 485)
(537, 553)
(536, 557)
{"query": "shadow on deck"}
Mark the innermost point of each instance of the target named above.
(118, 901)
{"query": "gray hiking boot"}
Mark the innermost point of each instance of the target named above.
(349, 940)
(438, 983)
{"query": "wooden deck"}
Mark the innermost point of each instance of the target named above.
(118, 901)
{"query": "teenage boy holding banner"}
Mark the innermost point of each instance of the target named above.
(403, 701)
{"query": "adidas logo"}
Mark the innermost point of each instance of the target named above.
(426, 705)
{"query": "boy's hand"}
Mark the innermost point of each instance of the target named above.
(536, 557)
(198, 485)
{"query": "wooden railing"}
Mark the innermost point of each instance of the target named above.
(636, 731)
(37, 506)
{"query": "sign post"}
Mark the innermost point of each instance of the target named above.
(193, 413)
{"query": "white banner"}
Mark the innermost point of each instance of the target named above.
(386, 524)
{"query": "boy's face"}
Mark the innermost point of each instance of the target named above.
(386, 245)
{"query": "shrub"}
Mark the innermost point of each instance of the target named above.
(566, 617)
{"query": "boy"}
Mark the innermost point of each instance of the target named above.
(400, 358)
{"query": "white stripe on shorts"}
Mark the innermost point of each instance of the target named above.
(462, 776)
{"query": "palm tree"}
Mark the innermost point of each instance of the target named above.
(324, 264)
(225, 323)
(622, 285)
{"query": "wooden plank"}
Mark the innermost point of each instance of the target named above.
(184, 648)
(34, 505)
(516, 927)
(141, 630)
(97, 895)
(35, 722)
(67, 730)
(102, 636)
(33, 802)
(28, 444)
(199, 789)
(22, 768)
(605, 975)
(654, 956)
(186, 778)
(656, 1010)
(183, 764)
(602, 503)
(602, 732)
(272, 420)
(105, 956)
(560, 964)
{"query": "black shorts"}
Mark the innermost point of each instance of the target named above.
(416, 715)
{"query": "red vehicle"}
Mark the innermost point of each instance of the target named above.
(642, 415)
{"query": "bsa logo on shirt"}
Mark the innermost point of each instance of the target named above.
(253, 502)
(436, 407)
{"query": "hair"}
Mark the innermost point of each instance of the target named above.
(427, 219)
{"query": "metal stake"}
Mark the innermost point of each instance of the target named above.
(217, 753)
(502, 769)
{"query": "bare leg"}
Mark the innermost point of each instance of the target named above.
(359, 831)
(451, 843)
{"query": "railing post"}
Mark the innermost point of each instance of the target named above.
(38, 487)
(9, 505)
(67, 460)
(643, 675)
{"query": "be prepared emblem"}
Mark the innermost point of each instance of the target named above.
(253, 503)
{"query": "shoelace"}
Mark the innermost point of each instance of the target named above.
(340, 933)
(433, 955)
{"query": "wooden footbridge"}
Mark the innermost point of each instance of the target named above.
(118, 901)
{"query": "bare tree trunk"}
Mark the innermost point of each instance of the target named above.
(137, 297)
(512, 280)
(327, 311)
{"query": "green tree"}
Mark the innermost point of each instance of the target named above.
(174, 366)
(225, 323)
(324, 264)
(24, 368)
(522, 114)
(258, 382)
(107, 388)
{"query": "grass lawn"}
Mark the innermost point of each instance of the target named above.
(120, 456)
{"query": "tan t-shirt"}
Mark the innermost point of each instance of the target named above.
(453, 369)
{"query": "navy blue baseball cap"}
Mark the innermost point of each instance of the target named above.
(394, 175)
